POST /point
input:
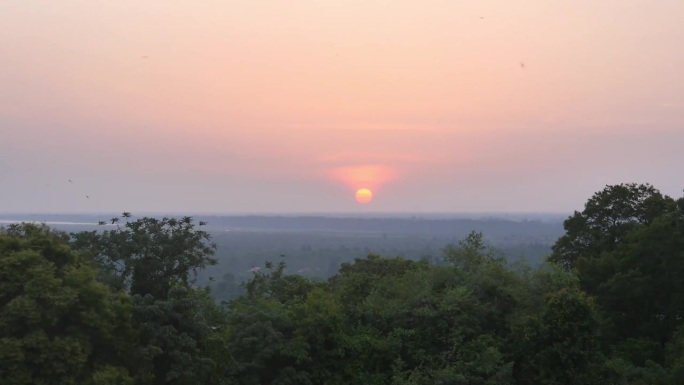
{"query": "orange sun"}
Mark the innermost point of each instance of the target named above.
(364, 195)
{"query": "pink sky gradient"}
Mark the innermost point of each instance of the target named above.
(278, 106)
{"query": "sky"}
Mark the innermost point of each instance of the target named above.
(271, 106)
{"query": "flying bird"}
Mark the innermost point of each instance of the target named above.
(87, 197)
(522, 65)
(71, 181)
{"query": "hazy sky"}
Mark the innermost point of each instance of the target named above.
(290, 106)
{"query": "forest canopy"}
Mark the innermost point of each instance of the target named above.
(121, 306)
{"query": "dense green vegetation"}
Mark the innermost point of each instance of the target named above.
(122, 306)
(316, 246)
(319, 255)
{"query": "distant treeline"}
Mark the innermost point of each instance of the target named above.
(316, 246)
(319, 255)
(494, 227)
(122, 305)
(417, 226)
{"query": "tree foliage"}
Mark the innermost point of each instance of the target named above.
(118, 306)
(57, 324)
(175, 337)
(149, 255)
(626, 250)
(608, 217)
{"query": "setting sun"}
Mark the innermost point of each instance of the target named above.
(364, 195)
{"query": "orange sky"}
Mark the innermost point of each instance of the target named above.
(270, 106)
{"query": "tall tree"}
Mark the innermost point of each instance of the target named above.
(264, 330)
(608, 216)
(177, 343)
(638, 286)
(149, 255)
(156, 261)
(561, 344)
(57, 324)
(626, 249)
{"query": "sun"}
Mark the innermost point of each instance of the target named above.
(364, 195)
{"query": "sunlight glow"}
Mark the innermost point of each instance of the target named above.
(366, 176)
(364, 195)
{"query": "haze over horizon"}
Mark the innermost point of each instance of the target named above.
(281, 107)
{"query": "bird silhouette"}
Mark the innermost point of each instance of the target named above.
(71, 181)
(522, 65)
(87, 197)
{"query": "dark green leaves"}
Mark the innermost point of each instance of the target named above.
(148, 255)
(57, 324)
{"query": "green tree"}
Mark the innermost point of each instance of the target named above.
(274, 284)
(638, 286)
(356, 280)
(492, 285)
(178, 341)
(58, 325)
(432, 325)
(561, 344)
(284, 331)
(148, 255)
(471, 253)
(413, 323)
(180, 328)
(608, 216)
(675, 355)
(626, 250)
